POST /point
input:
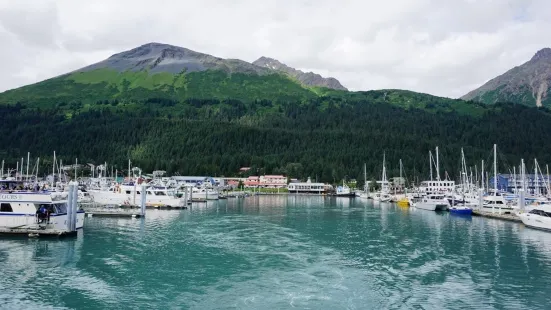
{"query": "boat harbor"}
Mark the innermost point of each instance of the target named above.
(106, 192)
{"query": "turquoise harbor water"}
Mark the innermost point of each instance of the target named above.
(278, 252)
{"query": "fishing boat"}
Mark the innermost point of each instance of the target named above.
(344, 191)
(433, 202)
(19, 209)
(538, 218)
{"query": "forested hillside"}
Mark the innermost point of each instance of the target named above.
(327, 140)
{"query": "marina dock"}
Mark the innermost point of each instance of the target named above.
(36, 232)
(113, 214)
(500, 216)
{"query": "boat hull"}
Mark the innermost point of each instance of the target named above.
(461, 211)
(536, 221)
(431, 206)
(121, 199)
(57, 221)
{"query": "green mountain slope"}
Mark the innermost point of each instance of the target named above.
(154, 71)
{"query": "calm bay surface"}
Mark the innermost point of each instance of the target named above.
(280, 252)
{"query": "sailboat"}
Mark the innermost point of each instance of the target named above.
(365, 193)
(401, 199)
(462, 208)
(496, 200)
(383, 195)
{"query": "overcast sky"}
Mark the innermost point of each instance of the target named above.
(442, 47)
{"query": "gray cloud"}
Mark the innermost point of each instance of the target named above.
(442, 47)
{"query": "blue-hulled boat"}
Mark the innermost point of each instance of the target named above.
(461, 210)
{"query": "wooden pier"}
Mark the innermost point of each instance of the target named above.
(36, 232)
(497, 215)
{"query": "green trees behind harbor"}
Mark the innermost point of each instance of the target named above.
(326, 138)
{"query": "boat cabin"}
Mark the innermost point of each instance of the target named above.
(26, 209)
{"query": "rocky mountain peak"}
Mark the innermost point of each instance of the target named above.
(529, 83)
(543, 54)
(158, 57)
(306, 78)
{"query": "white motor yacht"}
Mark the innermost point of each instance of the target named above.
(130, 195)
(19, 209)
(496, 202)
(539, 217)
(432, 202)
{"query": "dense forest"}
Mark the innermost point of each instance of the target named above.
(326, 138)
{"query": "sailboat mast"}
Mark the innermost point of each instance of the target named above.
(482, 175)
(437, 166)
(536, 183)
(401, 167)
(430, 164)
(53, 171)
(365, 178)
(523, 168)
(384, 168)
(495, 169)
(28, 163)
(515, 178)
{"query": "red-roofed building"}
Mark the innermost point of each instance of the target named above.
(252, 181)
(273, 181)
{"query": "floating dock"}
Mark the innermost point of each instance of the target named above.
(500, 216)
(36, 232)
(113, 214)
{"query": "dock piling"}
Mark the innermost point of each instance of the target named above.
(70, 198)
(521, 202)
(74, 207)
(143, 200)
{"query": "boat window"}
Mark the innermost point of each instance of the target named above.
(138, 192)
(6, 207)
(160, 194)
(60, 208)
(127, 192)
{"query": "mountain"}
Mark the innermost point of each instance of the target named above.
(156, 70)
(164, 58)
(528, 84)
(306, 78)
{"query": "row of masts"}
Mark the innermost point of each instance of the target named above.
(57, 169)
(467, 178)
